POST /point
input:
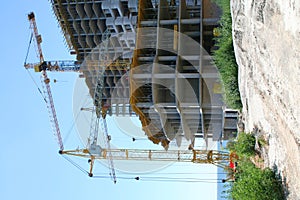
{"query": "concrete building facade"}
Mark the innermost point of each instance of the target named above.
(162, 73)
(85, 24)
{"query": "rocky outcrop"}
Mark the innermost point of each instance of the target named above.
(266, 38)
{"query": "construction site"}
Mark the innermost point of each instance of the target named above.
(121, 99)
(148, 59)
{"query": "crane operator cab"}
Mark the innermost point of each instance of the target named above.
(46, 66)
(40, 67)
(95, 150)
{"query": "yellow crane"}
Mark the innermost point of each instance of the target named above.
(95, 152)
(98, 119)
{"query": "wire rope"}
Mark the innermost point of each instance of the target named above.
(166, 179)
(178, 173)
(76, 165)
(35, 83)
(28, 48)
(71, 128)
(185, 181)
(30, 75)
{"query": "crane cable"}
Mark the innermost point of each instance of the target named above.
(75, 164)
(71, 129)
(28, 48)
(43, 96)
(30, 75)
(166, 179)
(73, 123)
(179, 179)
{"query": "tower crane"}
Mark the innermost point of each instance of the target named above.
(46, 82)
(44, 66)
(93, 151)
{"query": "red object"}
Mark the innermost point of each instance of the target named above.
(231, 165)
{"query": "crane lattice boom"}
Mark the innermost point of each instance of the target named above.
(45, 82)
(98, 123)
(218, 158)
(109, 155)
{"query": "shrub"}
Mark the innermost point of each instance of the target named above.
(245, 145)
(251, 182)
(224, 58)
(254, 183)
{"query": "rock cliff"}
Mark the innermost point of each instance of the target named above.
(266, 37)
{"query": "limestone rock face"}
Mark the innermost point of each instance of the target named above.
(266, 38)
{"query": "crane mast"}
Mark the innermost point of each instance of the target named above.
(46, 83)
(99, 111)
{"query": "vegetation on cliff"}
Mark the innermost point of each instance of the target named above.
(224, 57)
(250, 181)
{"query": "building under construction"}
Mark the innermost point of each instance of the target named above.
(146, 58)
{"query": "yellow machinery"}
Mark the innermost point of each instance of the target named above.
(95, 152)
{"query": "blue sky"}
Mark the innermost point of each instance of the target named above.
(30, 166)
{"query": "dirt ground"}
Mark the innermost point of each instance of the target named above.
(267, 47)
